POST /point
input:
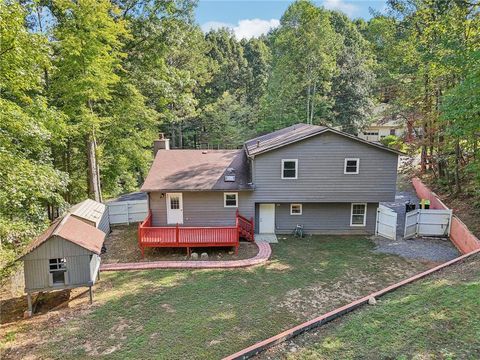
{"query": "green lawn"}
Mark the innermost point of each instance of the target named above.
(436, 318)
(208, 314)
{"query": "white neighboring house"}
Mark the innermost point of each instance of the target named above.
(378, 130)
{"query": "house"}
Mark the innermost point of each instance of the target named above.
(385, 123)
(379, 130)
(93, 213)
(327, 181)
(65, 256)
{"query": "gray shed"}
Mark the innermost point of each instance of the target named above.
(65, 256)
(93, 213)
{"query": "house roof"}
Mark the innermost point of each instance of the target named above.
(73, 230)
(196, 170)
(295, 133)
(89, 210)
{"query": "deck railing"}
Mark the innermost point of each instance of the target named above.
(246, 227)
(186, 237)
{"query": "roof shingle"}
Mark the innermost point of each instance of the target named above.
(196, 170)
(73, 230)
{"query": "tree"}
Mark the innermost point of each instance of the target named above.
(258, 56)
(232, 67)
(226, 123)
(304, 50)
(29, 183)
(352, 86)
(88, 54)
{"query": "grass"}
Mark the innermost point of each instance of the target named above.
(437, 318)
(208, 314)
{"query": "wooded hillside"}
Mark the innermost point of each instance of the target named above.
(87, 85)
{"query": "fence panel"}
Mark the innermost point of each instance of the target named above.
(126, 212)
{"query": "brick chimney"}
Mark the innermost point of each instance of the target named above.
(161, 144)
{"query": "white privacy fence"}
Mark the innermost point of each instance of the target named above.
(126, 212)
(431, 222)
(386, 225)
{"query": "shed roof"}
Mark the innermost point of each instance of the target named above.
(73, 230)
(295, 133)
(197, 170)
(90, 210)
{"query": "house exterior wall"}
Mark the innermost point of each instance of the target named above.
(36, 265)
(202, 208)
(382, 132)
(323, 218)
(321, 175)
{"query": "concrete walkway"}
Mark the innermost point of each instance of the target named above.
(264, 252)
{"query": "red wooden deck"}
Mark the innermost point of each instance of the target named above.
(190, 237)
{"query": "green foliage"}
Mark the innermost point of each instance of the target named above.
(394, 142)
(304, 50)
(28, 179)
(227, 123)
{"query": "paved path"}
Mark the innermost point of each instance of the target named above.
(264, 252)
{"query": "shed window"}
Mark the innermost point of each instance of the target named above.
(289, 169)
(230, 199)
(296, 209)
(58, 267)
(351, 166)
(392, 131)
(358, 215)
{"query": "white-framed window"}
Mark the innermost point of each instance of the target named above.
(58, 268)
(230, 199)
(358, 214)
(289, 168)
(352, 166)
(296, 209)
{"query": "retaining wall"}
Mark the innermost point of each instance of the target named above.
(460, 236)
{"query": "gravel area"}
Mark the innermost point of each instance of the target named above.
(431, 249)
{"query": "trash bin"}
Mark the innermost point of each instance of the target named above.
(425, 204)
(409, 206)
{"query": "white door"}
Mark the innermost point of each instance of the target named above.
(174, 208)
(267, 219)
(386, 222)
(411, 224)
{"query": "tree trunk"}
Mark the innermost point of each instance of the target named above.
(180, 135)
(458, 187)
(94, 188)
(312, 100)
(308, 102)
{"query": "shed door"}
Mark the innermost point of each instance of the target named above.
(174, 208)
(267, 219)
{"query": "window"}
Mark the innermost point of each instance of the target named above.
(295, 209)
(351, 166)
(174, 202)
(392, 131)
(358, 214)
(289, 169)
(57, 270)
(230, 199)
(374, 133)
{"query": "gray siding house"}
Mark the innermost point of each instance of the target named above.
(327, 181)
